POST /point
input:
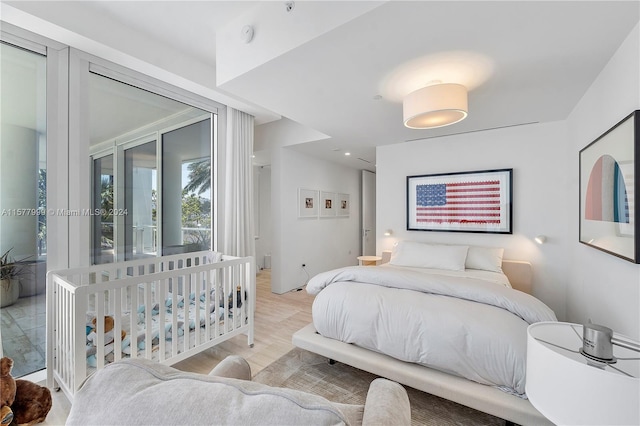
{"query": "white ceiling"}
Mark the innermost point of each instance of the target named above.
(189, 26)
(537, 59)
(544, 55)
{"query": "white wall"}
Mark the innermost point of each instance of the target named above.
(322, 244)
(540, 202)
(602, 287)
(263, 216)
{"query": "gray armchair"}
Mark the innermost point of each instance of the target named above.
(141, 392)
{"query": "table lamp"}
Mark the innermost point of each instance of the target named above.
(583, 375)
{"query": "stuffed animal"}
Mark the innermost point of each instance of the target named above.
(7, 391)
(108, 326)
(32, 403)
(23, 402)
(6, 415)
(108, 323)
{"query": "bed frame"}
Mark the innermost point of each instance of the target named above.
(146, 297)
(475, 395)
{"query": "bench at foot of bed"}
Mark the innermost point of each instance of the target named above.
(457, 389)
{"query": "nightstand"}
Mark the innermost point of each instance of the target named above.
(569, 388)
(369, 260)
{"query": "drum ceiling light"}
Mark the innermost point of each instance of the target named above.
(435, 106)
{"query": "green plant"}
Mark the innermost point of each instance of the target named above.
(9, 268)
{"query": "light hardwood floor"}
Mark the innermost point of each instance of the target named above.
(277, 318)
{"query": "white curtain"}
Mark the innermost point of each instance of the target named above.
(239, 237)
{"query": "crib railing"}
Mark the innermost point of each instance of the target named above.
(169, 307)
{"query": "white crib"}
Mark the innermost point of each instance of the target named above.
(170, 307)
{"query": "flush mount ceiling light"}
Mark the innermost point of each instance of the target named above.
(435, 106)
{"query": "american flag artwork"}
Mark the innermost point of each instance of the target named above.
(465, 202)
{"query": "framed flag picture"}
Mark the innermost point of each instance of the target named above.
(609, 169)
(479, 201)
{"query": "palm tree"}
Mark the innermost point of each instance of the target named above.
(199, 176)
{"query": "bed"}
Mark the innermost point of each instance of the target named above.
(442, 319)
(163, 309)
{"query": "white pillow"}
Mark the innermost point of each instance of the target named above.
(436, 256)
(485, 258)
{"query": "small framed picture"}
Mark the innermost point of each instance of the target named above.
(307, 203)
(327, 204)
(344, 204)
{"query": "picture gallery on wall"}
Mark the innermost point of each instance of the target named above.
(313, 203)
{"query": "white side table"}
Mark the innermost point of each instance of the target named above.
(369, 260)
(567, 389)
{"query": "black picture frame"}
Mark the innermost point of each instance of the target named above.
(609, 170)
(473, 201)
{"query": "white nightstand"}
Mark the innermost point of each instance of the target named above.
(369, 260)
(567, 389)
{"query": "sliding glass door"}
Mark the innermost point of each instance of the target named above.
(152, 174)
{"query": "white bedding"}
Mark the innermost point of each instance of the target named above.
(139, 335)
(468, 324)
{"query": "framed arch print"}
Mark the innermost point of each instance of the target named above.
(608, 185)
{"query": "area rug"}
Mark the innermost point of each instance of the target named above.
(309, 372)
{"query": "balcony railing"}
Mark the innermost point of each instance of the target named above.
(145, 239)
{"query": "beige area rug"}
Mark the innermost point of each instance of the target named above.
(309, 372)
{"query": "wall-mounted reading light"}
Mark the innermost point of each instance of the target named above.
(540, 239)
(388, 233)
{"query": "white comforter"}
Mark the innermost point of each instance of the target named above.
(465, 326)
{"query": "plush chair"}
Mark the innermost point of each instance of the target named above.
(142, 392)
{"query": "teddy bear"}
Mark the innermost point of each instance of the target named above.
(108, 336)
(7, 391)
(23, 403)
(108, 326)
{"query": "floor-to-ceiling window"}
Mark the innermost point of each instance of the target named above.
(151, 158)
(23, 219)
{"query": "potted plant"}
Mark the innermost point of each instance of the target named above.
(9, 283)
